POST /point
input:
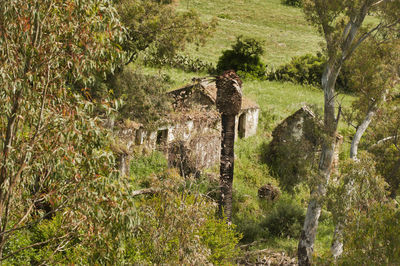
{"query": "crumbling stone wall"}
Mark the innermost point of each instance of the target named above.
(247, 123)
(125, 135)
(293, 150)
(195, 144)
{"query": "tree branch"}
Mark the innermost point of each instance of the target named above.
(150, 191)
(382, 140)
(360, 40)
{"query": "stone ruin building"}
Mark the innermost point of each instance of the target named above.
(191, 137)
(205, 94)
(295, 147)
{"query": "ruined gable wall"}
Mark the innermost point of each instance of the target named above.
(251, 122)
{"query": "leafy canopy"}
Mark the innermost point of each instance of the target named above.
(156, 27)
(52, 150)
(244, 58)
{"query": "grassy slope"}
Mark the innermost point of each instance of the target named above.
(286, 34)
(284, 29)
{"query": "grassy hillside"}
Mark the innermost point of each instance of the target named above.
(284, 29)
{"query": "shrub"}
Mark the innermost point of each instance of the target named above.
(296, 3)
(373, 237)
(308, 70)
(244, 58)
(285, 219)
(178, 226)
(221, 239)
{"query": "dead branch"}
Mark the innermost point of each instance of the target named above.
(144, 191)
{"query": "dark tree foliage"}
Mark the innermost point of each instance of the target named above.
(244, 58)
(285, 219)
(144, 97)
(296, 3)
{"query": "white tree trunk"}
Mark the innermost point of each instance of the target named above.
(308, 234)
(329, 77)
(360, 132)
(337, 240)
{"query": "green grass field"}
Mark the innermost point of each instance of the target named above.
(284, 29)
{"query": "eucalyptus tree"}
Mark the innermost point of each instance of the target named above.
(158, 26)
(51, 148)
(340, 22)
(374, 77)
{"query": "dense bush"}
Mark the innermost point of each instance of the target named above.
(286, 218)
(373, 237)
(306, 69)
(175, 226)
(178, 226)
(221, 239)
(296, 3)
(244, 58)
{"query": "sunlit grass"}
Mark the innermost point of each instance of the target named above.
(284, 29)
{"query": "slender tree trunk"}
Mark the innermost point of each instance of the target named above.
(227, 164)
(360, 132)
(308, 234)
(337, 56)
(337, 240)
(309, 231)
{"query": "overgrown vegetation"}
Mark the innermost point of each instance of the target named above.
(63, 201)
(144, 97)
(286, 218)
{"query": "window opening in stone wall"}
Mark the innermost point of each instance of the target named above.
(242, 126)
(139, 136)
(162, 136)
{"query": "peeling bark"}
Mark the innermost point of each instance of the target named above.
(308, 234)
